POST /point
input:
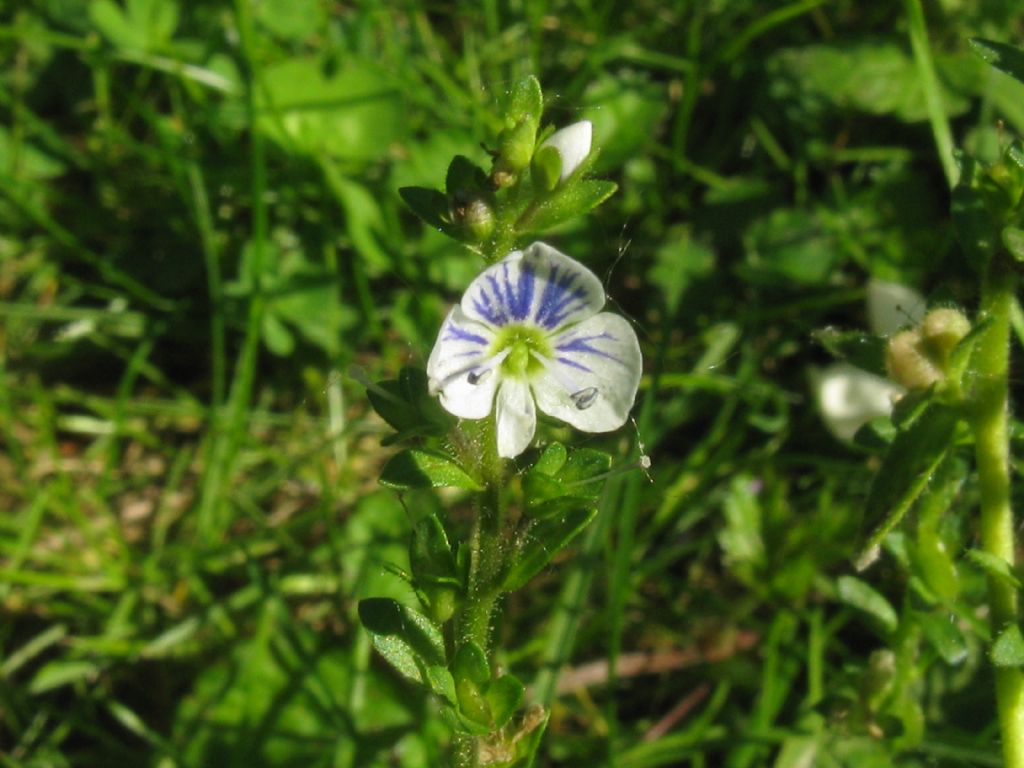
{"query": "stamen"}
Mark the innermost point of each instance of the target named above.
(474, 372)
(584, 398)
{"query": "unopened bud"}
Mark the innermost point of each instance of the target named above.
(516, 145)
(443, 602)
(907, 362)
(573, 146)
(475, 217)
(941, 331)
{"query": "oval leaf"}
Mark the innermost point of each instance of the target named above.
(407, 639)
(419, 468)
(906, 470)
(547, 538)
(862, 596)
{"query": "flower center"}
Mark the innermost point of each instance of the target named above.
(525, 345)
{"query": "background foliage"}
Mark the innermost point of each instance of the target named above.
(188, 263)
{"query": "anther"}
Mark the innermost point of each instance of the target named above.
(584, 398)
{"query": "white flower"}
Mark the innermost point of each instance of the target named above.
(849, 398)
(573, 145)
(892, 306)
(529, 333)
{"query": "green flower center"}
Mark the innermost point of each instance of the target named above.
(523, 344)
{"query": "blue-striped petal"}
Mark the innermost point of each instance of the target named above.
(460, 370)
(592, 381)
(537, 286)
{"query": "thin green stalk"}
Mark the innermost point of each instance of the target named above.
(486, 560)
(488, 549)
(932, 91)
(225, 443)
(992, 449)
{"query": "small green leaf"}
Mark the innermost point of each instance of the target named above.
(442, 683)
(574, 198)
(910, 407)
(429, 204)
(471, 664)
(876, 435)
(583, 466)
(407, 406)
(407, 639)
(1013, 239)
(1008, 649)
(525, 101)
(551, 460)
(464, 178)
(390, 401)
(473, 707)
(995, 568)
(278, 338)
(420, 468)
(558, 474)
(862, 596)
(960, 357)
(505, 695)
(906, 470)
(1001, 56)
(535, 723)
(430, 554)
(547, 538)
(546, 168)
(112, 23)
(945, 637)
(856, 347)
(972, 221)
(58, 673)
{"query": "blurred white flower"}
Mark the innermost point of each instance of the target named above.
(573, 145)
(849, 397)
(529, 333)
(892, 306)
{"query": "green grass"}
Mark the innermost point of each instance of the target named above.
(200, 229)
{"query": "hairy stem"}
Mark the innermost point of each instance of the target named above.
(991, 438)
(487, 553)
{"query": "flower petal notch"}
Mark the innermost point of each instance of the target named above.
(573, 146)
(529, 335)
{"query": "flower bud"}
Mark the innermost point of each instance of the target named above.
(443, 601)
(475, 217)
(516, 145)
(907, 362)
(941, 331)
(572, 144)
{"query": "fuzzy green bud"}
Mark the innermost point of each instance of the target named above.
(516, 145)
(546, 168)
(941, 331)
(443, 600)
(907, 362)
(475, 217)
(879, 679)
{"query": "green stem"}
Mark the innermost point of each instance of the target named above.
(486, 562)
(932, 90)
(991, 439)
(488, 548)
